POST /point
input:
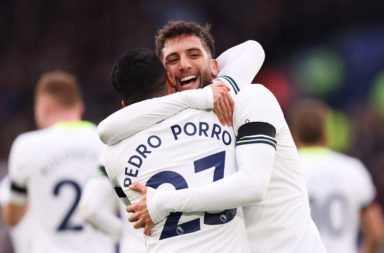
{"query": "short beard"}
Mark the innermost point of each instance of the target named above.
(205, 79)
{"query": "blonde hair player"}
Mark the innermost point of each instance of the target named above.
(48, 168)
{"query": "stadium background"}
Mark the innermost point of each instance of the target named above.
(329, 49)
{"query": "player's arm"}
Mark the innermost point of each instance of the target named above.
(255, 153)
(372, 226)
(17, 203)
(98, 205)
(241, 62)
(5, 239)
(16, 206)
(136, 117)
(245, 187)
(13, 213)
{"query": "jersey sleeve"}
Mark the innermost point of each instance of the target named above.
(242, 62)
(364, 186)
(245, 187)
(99, 205)
(139, 116)
(5, 186)
(256, 104)
(19, 171)
(108, 160)
(255, 153)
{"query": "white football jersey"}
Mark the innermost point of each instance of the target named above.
(270, 183)
(339, 187)
(132, 240)
(187, 150)
(283, 215)
(48, 169)
(281, 222)
(100, 207)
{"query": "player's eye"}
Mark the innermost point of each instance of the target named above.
(172, 60)
(194, 55)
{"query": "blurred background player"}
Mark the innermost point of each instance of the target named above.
(48, 168)
(100, 207)
(20, 234)
(7, 246)
(340, 187)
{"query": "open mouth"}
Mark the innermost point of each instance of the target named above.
(187, 80)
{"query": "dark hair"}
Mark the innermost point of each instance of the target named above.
(138, 74)
(308, 120)
(177, 28)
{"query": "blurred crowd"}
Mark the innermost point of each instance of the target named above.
(332, 50)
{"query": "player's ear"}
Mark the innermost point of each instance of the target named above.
(81, 109)
(123, 104)
(171, 85)
(324, 139)
(214, 68)
(41, 112)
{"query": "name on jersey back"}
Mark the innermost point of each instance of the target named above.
(153, 142)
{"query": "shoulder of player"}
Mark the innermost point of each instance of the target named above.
(253, 44)
(111, 155)
(25, 146)
(255, 89)
(258, 96)
(343, 157)
(349, 162)
(27, 138)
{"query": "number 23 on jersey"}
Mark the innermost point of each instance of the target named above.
(172, 226)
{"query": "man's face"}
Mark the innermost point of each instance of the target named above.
(188, 63)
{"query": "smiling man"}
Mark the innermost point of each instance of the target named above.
(236, 67)
(269, 182)
(185, 60)
(156, 157)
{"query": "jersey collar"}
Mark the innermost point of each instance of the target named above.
(314, 150)
(73, 125)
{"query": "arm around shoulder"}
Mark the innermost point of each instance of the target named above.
(242, 62)
(139, 116)
(99, 207)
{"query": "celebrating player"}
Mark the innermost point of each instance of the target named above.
(249, 51)
(156, 157)
(269, 175)
(238, 64)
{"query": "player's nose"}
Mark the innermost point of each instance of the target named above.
(184, 63)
